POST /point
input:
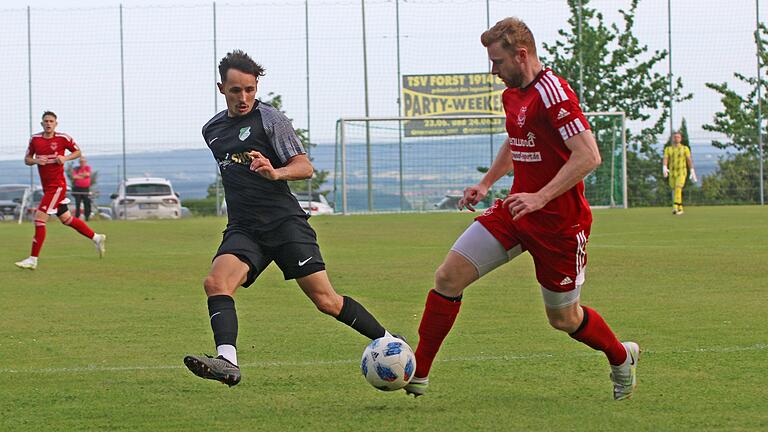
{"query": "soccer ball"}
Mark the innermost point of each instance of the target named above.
(388, 363)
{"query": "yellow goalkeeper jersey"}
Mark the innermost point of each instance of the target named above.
(677, 157)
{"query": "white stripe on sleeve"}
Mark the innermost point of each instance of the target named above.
(543, 93)
(556, 84)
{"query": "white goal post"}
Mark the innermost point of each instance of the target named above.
(396, 164)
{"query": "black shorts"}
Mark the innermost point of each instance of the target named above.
(292, 245)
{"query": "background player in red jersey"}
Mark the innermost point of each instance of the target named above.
(551, 149)
(47, 150)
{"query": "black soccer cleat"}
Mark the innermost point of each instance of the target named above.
(213, 368)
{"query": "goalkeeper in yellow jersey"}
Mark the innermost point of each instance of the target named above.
(677, 165)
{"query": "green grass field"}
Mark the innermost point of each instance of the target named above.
(89, 344)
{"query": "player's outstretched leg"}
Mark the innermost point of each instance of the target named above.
(624, 376)
(439, 315)
(223, 368)
(227, 273)
(99, 240)
(595, 333)
(345, 309)
(37, 244)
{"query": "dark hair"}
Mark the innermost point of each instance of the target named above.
(49, 113)
(239, 60)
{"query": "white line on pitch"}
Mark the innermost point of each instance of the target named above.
(481, 358)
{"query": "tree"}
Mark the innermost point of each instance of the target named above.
(735, 181)
(318, 178)
(619, 74)
(737, 176)
(738, 119)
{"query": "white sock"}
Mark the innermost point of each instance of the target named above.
(229, 352)
(626, 361)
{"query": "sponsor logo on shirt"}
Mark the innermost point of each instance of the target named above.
(528, 141)
(521, 116)
(562, 114)
(526, 156)
(245, 133)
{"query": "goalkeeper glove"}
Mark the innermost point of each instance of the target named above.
(692, 175)
(665, 170)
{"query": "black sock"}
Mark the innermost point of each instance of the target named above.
(221, 309)
(356, 316)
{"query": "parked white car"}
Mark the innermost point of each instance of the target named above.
(318, 205)
(11, 196)
(145, 198)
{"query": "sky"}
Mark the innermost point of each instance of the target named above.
(170, 66)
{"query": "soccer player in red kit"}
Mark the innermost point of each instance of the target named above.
(47, 150)
(551, 148)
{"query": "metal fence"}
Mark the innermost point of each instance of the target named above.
(133, 85)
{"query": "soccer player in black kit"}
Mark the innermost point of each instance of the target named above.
(257, 151)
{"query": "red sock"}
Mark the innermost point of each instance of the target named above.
(595, 333)
(439, 316)
(79, 226)
(37, 241)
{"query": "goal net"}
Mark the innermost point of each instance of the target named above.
(392, 164)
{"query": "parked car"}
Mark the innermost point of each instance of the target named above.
(448, 202)
(318, 205)
(145, 198)
(11, 196)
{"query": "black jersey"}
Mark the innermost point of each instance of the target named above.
(252, 200)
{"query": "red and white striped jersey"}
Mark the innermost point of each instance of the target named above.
(540, 117)
(51, 174)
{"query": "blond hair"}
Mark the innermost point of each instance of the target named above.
(512, 33)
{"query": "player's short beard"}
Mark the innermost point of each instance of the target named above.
(514, 81)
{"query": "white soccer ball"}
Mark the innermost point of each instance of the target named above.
(388, 363)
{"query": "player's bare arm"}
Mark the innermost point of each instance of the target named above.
(500, 167)
(32, 160)
(298, 167)
(585, 157)
(72, 156)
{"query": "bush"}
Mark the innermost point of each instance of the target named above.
(201, 207)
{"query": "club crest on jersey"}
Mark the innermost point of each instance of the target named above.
(521, 116)
(54, 145)
(245, 133)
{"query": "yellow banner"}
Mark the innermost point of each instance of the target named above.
(452, 95)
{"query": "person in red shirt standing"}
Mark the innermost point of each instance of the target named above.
(551, 148)
(47, 150)
(81, 188)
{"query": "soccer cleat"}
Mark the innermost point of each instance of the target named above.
(624, 376)
(679, 212)
(28, 263)
(417, 387)
(213, 368)
(100, 241)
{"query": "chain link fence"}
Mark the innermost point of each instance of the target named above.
(133, 85)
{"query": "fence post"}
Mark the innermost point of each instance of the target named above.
(669, 46)
(122, 102)
(759, 103)
(29, 88)
(367, 113)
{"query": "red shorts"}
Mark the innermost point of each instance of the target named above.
(52, 197)
(560, 258)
